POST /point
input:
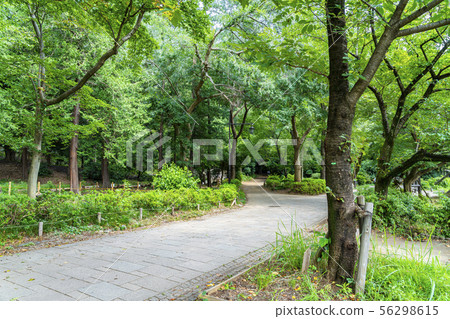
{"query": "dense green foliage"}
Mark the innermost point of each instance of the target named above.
(174, 177)
(308, 186)
(19, 214)
(408, 215)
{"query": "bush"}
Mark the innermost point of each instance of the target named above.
(274, 182)
(363, 178)
(409, 215)
(118, 208)
(236, 182)
(174, 177)
(309, 186)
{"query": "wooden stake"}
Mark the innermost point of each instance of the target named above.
(306, 260)
(9, 189)
(112, 186)
(59, 189)
(96, 184)
(41, 229)
(198, 206)
(138, 186)
(219, 203)
(39, 188)
(364, 249)
(173, 210)
(80, 187)
(99, 218)
(140, 213)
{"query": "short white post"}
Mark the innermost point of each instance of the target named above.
(99, 218)
(219, 203)
(198, 206)
(364, 249)
(306, 260)
(140, 213)
(41, 229)
(9, 189)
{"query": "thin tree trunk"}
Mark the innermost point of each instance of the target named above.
(106, 182)
(160, 148)
(297, 164)
(232, 159)
(36, 154)
(73, 152)
(383, 180)
(10, 155)
(25, 163)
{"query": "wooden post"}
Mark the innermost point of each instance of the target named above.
(39, 188)
(96, 184)
(112, 186)
(364, 249)
(41, 229)
(59, 188)
(219, 203)
(138, 185)
(140, 213)
(9, 189)
(99, 218)
(234, 202)
(198, 206)
(80, 187)
(361, 203)
(173, 210)
(306, 260)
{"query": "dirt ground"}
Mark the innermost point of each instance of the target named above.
(13, 172)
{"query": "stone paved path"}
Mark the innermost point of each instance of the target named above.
(159, 263)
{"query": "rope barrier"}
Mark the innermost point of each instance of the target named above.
(139, 213)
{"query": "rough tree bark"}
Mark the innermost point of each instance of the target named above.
(298, 170)
(73, 152)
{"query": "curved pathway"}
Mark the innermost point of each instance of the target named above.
(172, 261)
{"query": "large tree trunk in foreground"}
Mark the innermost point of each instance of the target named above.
(73, 156)
(341, 210)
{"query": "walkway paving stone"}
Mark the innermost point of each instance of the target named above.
(175, 260)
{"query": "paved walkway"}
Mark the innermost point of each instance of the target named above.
(159, 263)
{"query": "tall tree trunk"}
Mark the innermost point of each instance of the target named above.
(341, 210)
(36, 153)
(232, 160)
(106, 182)
(25, 163)
(297, 163)
(208, 176)
(73, 153)
(383, 180)
(160, 148)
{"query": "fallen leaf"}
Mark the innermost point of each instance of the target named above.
(31, 279)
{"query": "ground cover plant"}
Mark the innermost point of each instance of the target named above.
(390, 277)
(409, 215)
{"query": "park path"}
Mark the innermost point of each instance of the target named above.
(173, 261)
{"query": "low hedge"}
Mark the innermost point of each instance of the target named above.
(20, 214)
(309, 186)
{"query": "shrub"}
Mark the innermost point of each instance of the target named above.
(174, 177)
(309, 186)
(274, 182)
(118, 208)
(236, 182)
(409, 215)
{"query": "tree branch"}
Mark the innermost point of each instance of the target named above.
(382, 107)
(99, 64)
(423, 28)
(413, 16)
